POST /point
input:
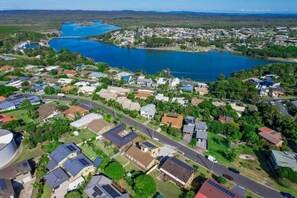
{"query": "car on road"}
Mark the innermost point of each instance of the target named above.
(212, 159)
(61, 95)
(234, 170)
(228, 177)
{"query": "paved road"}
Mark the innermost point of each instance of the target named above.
(240, 180)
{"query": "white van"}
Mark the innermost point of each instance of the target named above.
(212, 159)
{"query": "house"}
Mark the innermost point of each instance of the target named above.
(6, 68)
(161, 81)
(85, 120)
(226, 119)
(142, 160)
(65, 81)
(201, 135)
(125, 76)
(118, 137)
(6, 188)
(102, 186)
(31, 68)
(177, 171)
(173, 119)
(294, 103)
(68, 88)
(99, 126)
(162, 98)
(197, 101)
(202, 89)
(148, 111)
(70, 73)
(39, 87)
(47, 111)
(276, 91)
(5, 119)
(50, 68)
(78, 166)
(87, 90)
(96, 75)
(6, 105)
(73, 110)
(111, 93)
(283, 159)
(144, 82)
(149, 148)
(211, 188)
(82, 84)
(180, 101)
(128, 104)
(187, 86)
(174, 82)
(271, 136)
(61, 154)
(56, 178)
(84, 73)
(20, 172)
(144, 94)
(188, 128)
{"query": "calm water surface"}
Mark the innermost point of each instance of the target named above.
(197, 66)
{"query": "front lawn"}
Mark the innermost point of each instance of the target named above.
(83, 136)
(88, 151)
(21, 115)
(27, 154)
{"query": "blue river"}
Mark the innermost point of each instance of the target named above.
(200, 66)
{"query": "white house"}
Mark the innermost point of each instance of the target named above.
(162, 98)
(65, 81)
(174, 82)
(87, 90)
(85, 120)
(148, 111)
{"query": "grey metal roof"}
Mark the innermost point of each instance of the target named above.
(150, 109)
(101, 186)
(201, 126)
(77, 164)
(55, 178)
(113, 136)
(283, 109)
(188, 128)
(190, 120)
(201, 135)
(285, 159)
(295, 103)
(61, 153)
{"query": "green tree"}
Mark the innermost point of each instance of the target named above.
(221, 179)
(144, 186)
(115, 171)
(231, 154)
(26, 104)
(49, 90)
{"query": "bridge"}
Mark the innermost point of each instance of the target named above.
(68, 37)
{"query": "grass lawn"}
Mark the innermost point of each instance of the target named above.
(167, 188)
(250, 194)
(155, 127)
(88, 151)
(21, 115)
(109, 151)
(83, 135)
(27, 154)
(124, 161)
(47, 192)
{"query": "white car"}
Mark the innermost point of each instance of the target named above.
(61, 95)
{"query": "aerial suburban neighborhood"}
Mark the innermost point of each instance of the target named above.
(145, 104)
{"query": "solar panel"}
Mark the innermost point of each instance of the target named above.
(221, 188)
(70, 148)
(94, 194)
(97, 191)
(84, 162)
(148, 144)
(111, 191)
(186, 166)
(2, 184)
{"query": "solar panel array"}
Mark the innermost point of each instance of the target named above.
(70, 148)
(221, 188)
(148, 144)
(84, 162)
(186, 166)
(24, 164)
(97, 191)
(111, 191)
(2, 184)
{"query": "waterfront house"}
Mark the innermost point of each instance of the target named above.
(187, 86)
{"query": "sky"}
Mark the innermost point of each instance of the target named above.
(251, 6)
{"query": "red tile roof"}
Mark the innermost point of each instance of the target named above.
(265, 130)
(271, 136)
(213, 189)
(6, 118)
(2, 98)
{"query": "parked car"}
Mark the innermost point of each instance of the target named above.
(228, 177)
(212, 159)
(287, 195)
(234, 170)
(61, 95)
